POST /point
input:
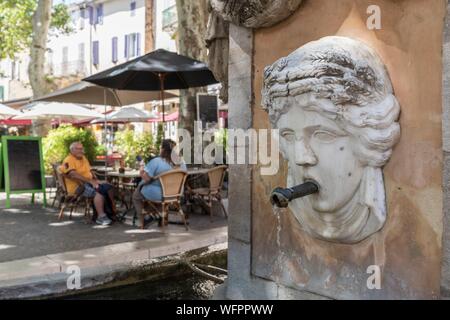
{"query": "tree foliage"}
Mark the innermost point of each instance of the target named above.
(131, 146)
(16, 27)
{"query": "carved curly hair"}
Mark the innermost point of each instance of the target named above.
(352, 76)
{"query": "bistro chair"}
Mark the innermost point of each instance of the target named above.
(172, 183)
(71, 201)
(211, 193)
(59, 193)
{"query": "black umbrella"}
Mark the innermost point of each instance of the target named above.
(157, 70)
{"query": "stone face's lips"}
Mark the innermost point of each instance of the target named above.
(312, 181)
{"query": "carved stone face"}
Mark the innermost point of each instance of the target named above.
(333, 102)
(317, 149)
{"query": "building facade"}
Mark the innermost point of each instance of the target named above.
(104, 33)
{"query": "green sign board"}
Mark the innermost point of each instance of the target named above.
(21, 166)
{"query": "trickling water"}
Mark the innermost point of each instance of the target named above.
(277, 211)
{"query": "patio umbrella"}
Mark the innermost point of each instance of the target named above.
(88, 93)
(6, 112)
(128, 114)
(60, 111)
(158, 70)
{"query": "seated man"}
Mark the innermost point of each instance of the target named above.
(81, 180)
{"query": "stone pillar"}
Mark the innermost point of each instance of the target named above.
(240, 117)
(240, 283)
(445, 273)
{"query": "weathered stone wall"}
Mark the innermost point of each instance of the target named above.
(445, 273)
(408, 248)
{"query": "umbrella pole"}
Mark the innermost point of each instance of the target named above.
(161, 81)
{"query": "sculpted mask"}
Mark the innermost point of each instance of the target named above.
(333, 102)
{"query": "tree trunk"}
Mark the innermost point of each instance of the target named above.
(192, 22)
(36, 71)
(149, 25)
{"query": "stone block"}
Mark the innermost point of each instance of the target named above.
(239, 196)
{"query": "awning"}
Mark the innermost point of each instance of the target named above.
(12, 122)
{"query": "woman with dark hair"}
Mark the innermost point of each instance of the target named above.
(152, 189)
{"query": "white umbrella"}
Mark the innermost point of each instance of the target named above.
(6, 112)
(127, 114)
(60, 111)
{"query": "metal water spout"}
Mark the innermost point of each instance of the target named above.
(281, 197)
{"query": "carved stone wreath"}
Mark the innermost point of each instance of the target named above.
(255, 13)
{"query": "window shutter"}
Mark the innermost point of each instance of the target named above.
(133, 8)
(114, 50)
(82, 17)
(91, 15)
(138, 44)
(95, 53)
(126, 46)
(100, 13)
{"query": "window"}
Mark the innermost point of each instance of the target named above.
(50, 61)
(132, 45)
(82, 17)
(91, 15)
(13, 70)
(99, 18)
(2, 93)
(65, 61)
(80, 64)
(81, 51)
(95, 53)
(115, 57)
(133, 8)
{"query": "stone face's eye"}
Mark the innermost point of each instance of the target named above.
(324, 136)
(287, 134)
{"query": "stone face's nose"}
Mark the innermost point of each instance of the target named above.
(304, 156)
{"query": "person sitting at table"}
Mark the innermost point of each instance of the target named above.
(150, 188)
(81, 181)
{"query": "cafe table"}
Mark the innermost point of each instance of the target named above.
(125, 188)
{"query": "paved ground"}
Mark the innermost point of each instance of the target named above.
(28, 231)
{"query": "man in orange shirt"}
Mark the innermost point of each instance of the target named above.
(79, 175)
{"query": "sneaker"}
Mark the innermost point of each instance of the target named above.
(148, 220)
(104, 221)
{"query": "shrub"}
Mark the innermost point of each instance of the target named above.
(131, 145)
(56, 144)
(221, 139)
(101, 150)
(159, 136)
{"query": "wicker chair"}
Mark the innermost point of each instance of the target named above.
(172, 183)
(216, 176)
(59, 193)
(71, 201)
